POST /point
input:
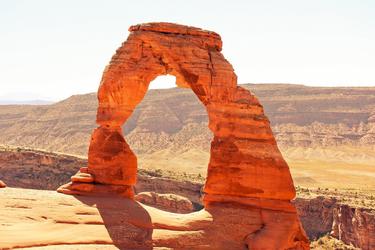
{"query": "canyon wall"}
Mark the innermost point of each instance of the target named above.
(350, 224)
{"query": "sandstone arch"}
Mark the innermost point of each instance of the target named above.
(245, 164)
(245, 160)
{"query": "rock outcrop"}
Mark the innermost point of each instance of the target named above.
(25, 168)
(246, 166)
(168, 202)
(162, 185)
(316, 215)
(352, 225)
(2, 184)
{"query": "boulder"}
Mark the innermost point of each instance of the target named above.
(168, 202)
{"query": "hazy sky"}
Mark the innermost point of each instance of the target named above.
(53, 49)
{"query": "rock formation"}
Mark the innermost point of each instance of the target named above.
(246, 166)
(26, 168)
(354, 226)
(2, 184)
(168, 202)
(350, 224)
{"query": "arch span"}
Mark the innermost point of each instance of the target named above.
(245, 161)
(245, 164)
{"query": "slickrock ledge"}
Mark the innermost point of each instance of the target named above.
(49, 220)
(246, 167)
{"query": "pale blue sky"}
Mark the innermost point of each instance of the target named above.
(53, 49)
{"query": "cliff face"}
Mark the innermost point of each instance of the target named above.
(352, 225)
(316, 215)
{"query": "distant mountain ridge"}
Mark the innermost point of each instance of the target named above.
(300, 116)
(168, 130)
(327, 135)
(24, 102)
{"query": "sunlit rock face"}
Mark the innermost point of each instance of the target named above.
(246, 166)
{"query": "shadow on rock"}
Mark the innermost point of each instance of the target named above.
(128, 223)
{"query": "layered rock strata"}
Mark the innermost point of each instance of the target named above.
(326, 215)
(246, 166)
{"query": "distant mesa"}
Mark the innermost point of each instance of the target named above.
(247, 175)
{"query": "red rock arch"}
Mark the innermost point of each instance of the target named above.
(245, 162)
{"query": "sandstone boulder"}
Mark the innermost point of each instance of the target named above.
(168, 202)
(2, 184)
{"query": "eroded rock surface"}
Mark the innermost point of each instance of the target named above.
(169, 202)
(245, 160)
(246, 167)
(326, 215)
(62, 221)
(354, 226)
(26, 168)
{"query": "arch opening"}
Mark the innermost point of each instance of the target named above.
(168, 132)
(163, 82)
